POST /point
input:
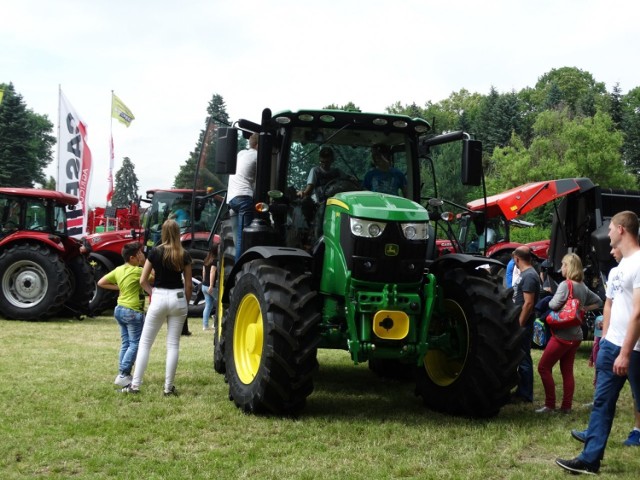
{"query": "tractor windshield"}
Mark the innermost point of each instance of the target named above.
(372, 160)
(176, 205)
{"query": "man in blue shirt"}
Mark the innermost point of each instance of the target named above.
(384, 177)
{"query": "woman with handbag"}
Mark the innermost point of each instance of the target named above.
(566, 332)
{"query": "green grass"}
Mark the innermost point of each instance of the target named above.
(62, 418)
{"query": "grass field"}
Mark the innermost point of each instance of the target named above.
(62, 418)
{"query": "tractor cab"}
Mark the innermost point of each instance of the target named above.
(176, 204)
(20, 212)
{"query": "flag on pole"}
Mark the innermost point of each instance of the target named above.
(1, 94)
(110, 178)
(120, 111)
(74, 165)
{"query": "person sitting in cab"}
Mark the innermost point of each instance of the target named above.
(384, 177)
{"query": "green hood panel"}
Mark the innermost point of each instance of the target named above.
(379, 206)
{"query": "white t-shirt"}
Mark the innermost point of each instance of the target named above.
(244, 180)
(610, 292)
(622, 281)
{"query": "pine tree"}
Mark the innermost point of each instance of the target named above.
(125, 190)
(217, 110)
(25, 142)
(615, 110)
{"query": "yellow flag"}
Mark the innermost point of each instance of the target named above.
(120, 111)
(1, 95)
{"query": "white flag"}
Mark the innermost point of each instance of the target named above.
(74, 165)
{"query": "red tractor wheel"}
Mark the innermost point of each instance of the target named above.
(34, 282)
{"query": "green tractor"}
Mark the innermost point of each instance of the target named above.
(370, 284)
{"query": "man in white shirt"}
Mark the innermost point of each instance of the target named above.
(619, 355)
(240, 189)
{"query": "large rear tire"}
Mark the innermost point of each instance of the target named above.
(83, 285)
(272, 338)
(472, 364)
(102, 298)
(226, 261)
(34, 281)
(500, 271)
(196, 304)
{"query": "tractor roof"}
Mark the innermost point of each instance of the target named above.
(59, 197)
(355, 119)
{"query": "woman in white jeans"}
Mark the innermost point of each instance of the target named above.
(169, 302)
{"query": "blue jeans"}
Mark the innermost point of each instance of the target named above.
(525, 369)
(130, 322)
(242, 205)
(608, 386)
(209, 304)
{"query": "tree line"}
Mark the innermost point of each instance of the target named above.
(567, 125)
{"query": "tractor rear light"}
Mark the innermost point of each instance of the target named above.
(366, 228)
(262, 207)
(415, 231)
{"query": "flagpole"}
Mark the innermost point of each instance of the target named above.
(111, 154)
(58, 142)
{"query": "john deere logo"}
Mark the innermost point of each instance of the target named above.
(391, 250)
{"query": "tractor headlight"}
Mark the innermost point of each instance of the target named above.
(366, 228)
(415, 231)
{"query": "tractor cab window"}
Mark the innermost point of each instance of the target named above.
(483, 238)
(36, 216)
(10, 215)
(180, 212)
(59, 219)
(340, 160)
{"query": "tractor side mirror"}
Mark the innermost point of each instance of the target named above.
(471, 171)
(226, 150)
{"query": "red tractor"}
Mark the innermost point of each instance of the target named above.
(43, 270)
(501, 212)
(484, 227)
(195, 215)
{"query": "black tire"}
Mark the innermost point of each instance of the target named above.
(476, 368)
(102, 298)
(83, 285)
(498, 270)
(196, 303)
(272, 338)
(34, 282)
(226, 261)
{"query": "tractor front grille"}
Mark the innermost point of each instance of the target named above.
(389, 258)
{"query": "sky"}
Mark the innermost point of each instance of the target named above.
(165, 60)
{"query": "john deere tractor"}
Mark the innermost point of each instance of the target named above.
(370, 284)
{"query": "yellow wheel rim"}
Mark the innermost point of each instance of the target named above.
(444, 367)
(219, 310)
(248, 339)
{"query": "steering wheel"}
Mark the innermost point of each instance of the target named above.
(338, 185)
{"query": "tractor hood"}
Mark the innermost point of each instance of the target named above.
(523, 199)
(379, 206)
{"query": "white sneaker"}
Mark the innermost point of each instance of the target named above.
(123, 380)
